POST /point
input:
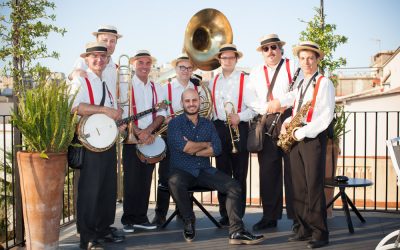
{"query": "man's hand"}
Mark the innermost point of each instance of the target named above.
(78, 72)
(234, 119)
(274, 106)
(145, 136)
(115, 114)
(168, 119)
(284, 127)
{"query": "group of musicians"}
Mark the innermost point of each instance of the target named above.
(237, 99)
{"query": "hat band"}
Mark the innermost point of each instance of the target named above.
(107, 31)
(309, 45)
(270, 40)
(97, 48)
(183, 58)
(142, 54)
(228, 49)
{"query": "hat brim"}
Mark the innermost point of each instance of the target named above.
(83, 55)
(238, 53)
(133, 59)
(98, 33)
(299, 48)
(176, 61)
(282, 43)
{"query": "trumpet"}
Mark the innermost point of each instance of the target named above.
(233, 131)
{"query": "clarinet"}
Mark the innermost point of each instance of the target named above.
(278, 114)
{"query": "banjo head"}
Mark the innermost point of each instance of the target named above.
(100, 132)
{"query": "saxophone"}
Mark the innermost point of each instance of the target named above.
(285, 141)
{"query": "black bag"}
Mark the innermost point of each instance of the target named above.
(75, 154)
(256, 134)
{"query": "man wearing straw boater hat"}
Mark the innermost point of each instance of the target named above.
(184, 68)
(138, 175)
(98, 181)
(231, 97)
(307, 156)
(107, 34)
(271, 81)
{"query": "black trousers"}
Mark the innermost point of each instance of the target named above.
(137, 184)
(308, 168)
(234, 165)
(163, 195)
(271, 181)
(181, 181)
(97, 194)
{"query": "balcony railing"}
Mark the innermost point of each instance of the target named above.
(363, 155)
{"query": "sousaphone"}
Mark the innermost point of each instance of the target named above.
(206, 31)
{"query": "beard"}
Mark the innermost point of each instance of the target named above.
(186, 110)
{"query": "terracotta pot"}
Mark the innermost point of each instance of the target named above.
(332, 150)
(42, 183)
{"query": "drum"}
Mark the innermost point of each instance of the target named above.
(152, 153)
(97, 132)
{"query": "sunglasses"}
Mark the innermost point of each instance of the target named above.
(266, 48)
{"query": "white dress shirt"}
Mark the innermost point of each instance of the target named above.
(144, 100)
(227, 90)
(176, 93)
(109, 72)
(79, 84)
(323, 110)
(258, 83)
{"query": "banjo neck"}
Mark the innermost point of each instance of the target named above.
(161, 105)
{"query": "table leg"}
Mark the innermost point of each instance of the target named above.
(333, 200)
(346, 209)
(355, 209)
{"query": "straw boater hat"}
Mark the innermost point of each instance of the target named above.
(229, 47)
(182, 57)
(271, 38)
(140, 54)
(308, 45)
(94, 47)
(107, 29)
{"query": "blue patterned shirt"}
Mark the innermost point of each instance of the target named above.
(204, 131)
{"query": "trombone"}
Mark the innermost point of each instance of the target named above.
(233, 130)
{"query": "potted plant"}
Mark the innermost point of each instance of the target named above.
(47, 126)
(333, 150)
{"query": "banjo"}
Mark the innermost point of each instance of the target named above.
(98, 132)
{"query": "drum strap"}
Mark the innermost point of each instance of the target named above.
(171, 110)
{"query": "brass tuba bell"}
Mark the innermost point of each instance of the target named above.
(206, 31)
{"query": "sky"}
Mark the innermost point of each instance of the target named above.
(159, 26)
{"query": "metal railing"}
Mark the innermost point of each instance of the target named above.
(363, 155)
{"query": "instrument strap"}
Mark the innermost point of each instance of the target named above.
(213, 95)
(288, 71)
(134, 109)
(103, 98)
(171, 110)
(311, 109)
(302, 93)
(110, 96)
(89, 86)
(154, 100)
(271, 84)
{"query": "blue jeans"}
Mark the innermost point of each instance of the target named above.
(181, 181)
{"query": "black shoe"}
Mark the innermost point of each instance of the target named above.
(299, 238)
(224, 221)
(158, 220)
(189, 231)
(295, 227)
(317, 243)
(92, 245)
(146, 225)
(264, 224)
(113, 237)
(245, 237)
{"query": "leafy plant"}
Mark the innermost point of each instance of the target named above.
(44, 118)
(339, 127)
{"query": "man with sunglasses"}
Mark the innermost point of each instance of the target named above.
(173, 90)
(230, 91)
(271, 80)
